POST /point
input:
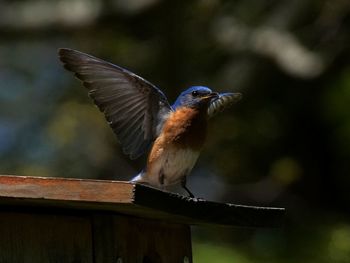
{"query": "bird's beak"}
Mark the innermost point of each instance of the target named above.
(210, 96)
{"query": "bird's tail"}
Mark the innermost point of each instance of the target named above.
(139, 178)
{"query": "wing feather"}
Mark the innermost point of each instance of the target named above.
(221, 103)
(133, 107)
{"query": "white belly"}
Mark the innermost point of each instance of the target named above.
(172, 165)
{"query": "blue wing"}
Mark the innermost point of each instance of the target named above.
(133, 107)
(224, 101)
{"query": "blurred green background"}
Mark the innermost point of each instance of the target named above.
(287, 143)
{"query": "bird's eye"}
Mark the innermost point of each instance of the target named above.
(195, 93)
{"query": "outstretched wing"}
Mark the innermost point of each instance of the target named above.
(133, 107)
(224, 101)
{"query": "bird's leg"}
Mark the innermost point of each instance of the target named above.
(183, 185)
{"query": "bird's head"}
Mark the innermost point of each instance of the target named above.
(195, 97)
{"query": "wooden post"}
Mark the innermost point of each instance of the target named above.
(74, 220)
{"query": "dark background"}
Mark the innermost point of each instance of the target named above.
(287, 143)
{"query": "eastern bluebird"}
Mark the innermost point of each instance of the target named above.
(142, 118)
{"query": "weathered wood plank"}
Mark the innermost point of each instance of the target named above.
(131, 199)
(103, 238)
(44, 238)
(66, 189)
(131, 239)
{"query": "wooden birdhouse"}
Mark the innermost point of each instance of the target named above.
(93, 221)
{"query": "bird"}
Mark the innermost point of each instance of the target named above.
(144, 121)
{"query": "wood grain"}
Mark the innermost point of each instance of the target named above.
(139, 240)
(44, 238)
(130, 199)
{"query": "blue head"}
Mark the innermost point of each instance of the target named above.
(195, 97)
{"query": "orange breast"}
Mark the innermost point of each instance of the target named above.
(186, 127)
(183, 136)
